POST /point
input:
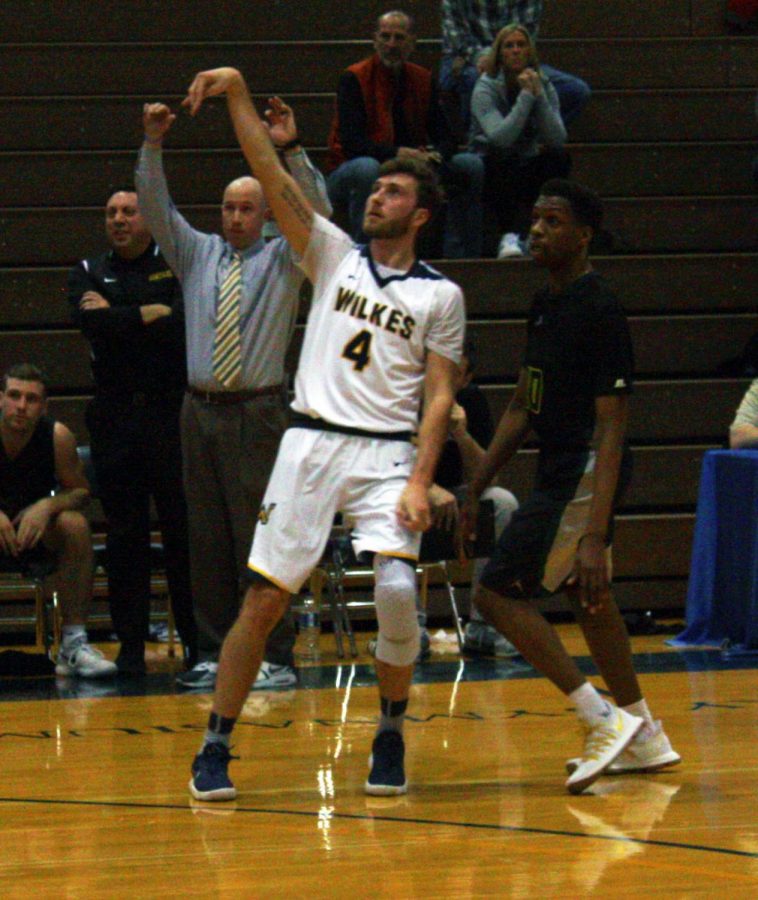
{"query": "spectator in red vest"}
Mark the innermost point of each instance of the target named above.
(387, 107)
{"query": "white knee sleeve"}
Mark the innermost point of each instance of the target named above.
(395, 597)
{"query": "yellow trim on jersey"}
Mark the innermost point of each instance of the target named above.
(271, 578)
(396, 555)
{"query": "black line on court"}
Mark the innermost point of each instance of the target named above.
(300, 813)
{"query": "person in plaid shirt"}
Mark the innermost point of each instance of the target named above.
(468, 30)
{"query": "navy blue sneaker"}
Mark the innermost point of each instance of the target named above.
(210, 780)
(387, 775)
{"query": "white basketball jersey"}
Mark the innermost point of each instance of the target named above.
(364, 351)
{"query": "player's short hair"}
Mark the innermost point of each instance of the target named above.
(586, 205)
(25, 372)
(428, 191)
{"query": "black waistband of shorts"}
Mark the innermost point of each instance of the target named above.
(298, 420)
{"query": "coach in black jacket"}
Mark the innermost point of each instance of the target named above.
(128, 305)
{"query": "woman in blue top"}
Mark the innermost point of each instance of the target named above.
(516, 125)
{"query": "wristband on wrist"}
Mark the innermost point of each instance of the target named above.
(290, 145)
(154, 142)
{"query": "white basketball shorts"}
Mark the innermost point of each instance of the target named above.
(316, 475)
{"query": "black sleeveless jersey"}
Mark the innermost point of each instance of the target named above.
(31, 475)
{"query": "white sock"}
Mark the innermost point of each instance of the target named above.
(71, 634)
(640, 709)
(590, 706)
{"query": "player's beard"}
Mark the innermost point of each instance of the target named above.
(384, 228)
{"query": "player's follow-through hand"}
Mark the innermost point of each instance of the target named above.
(211, 83)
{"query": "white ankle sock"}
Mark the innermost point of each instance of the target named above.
(71, 634)
(590, 706)
(640, 709)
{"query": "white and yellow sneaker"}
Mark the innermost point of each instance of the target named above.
(648, 752)
(604, 741)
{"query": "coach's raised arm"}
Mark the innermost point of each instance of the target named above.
(292, 211)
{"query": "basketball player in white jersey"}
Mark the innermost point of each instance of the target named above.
(385, 331)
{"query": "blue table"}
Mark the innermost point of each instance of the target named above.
(722, 595)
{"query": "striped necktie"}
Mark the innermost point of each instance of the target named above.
(227, 355)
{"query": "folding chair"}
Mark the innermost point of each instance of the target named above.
(23, 579)
(438, 549)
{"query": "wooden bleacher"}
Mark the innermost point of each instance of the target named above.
(667, 139)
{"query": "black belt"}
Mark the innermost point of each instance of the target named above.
(220, 397)
(301, 421)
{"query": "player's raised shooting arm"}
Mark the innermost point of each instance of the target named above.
(292, 211)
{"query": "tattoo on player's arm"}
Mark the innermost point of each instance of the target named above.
(303, 213)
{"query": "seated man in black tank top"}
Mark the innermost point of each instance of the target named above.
(42, 490)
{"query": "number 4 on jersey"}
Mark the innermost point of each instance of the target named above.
(358, 350)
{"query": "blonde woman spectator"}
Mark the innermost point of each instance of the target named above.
(516, 125)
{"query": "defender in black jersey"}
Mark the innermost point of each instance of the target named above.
(572, 392)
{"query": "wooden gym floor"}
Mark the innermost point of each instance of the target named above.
(94, 797)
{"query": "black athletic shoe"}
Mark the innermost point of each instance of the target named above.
(131, 660)
(201, 676)
(387, 775)
(210, 780)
